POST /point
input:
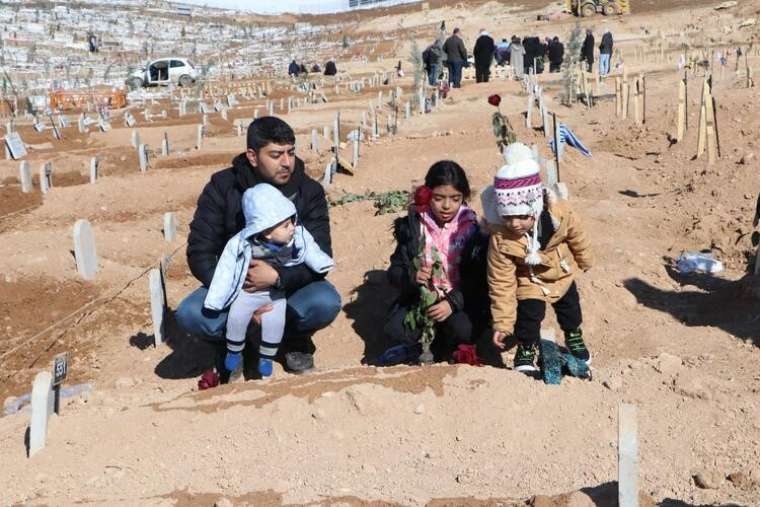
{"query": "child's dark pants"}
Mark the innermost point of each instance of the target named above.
(531, 312)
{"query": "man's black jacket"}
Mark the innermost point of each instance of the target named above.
(219, 216)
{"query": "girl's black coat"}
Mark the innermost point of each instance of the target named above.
(471, 296)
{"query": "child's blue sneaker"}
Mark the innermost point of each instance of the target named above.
(265, 367)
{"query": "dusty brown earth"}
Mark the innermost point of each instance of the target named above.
(682, 348)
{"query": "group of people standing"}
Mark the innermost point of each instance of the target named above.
(523, 54)
(260, 246)
(295, 68)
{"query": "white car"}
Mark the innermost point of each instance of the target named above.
(162, 72)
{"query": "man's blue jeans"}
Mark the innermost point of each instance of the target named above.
(455, 73)
(604, 64)
(310, 308)
(435, 71)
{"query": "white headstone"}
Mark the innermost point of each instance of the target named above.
(314, 140)
(94, 166)
(628, 456)
(16, 147)
(157, 304)
(84, 250)
(41, 397)
(199, 138)
(25, 176)
(223, 113)
(326, 132)
(355, 153)
(407, 110)
(82, 125)
(129, 120)
(104, 125)
(136, 138)
(142, 155)
(170, 227)
(327, 178)
(551, 174)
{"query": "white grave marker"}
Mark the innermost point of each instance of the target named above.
(15, 146)
(628, 456)
(41, 395)
(157, 304)
(25, 176)
(94, 166)
(136, 138)
(199, 138)
(142, 154)
(170, 227)
(165, 145)
(46, 177)
(84, 250)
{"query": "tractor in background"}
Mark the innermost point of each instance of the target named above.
(585, 8)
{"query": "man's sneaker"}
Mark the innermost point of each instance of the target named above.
(299, 362)
(525, 359)
(576, 346)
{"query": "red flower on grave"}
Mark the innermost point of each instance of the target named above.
(466, 354)
(494, 100)
(422, 198)
(208, 380)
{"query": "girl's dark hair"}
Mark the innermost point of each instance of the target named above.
(448, 172)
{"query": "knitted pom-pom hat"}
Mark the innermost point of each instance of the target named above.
(519, 191)
(517, 152)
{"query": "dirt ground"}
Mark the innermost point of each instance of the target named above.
(682, 347)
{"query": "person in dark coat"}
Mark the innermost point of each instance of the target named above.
(313, 302)
(587, 50)
(456, 58)
(534, 54)
(605, 53)
(330, 68)
(483, 51)
(294, 69)
(556, 54)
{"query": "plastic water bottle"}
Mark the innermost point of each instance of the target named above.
(690, 262)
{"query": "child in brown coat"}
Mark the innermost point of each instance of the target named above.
(537, 247)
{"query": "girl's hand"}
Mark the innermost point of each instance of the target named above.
(440, 311)
(423, 275)
(498, 339)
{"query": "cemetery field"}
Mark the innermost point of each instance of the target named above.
(681, 347)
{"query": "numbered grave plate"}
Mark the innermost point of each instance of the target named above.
(60, 368)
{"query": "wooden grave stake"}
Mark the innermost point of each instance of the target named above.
(165, 145)
(84, 250)
(681, 115)
(712, 150)
(702, 134)
(628, 456)
(626, 93)
(618, 97)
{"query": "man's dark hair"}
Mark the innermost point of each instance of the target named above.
(269, 129)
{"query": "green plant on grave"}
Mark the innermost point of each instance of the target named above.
(384, 203)
(570, 75)
(418, 66)
(417, 318)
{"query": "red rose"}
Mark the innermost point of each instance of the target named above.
(208, 380)
(422, 196)
(466, 354)
(494, 100)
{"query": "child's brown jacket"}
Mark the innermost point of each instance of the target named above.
(510, 279)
